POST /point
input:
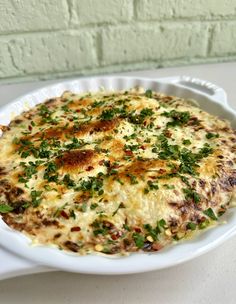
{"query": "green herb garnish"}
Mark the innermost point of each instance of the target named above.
(36, 197)
(138, 239)
(210, 213)
(148, 93)
(212, 135)
(178, 118)
(191, 226)
(5, 208)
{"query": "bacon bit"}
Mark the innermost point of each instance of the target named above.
(156, 247)
(30, 127)
(101, 162)
(4, 128)
(89, 168)
(143, 148)
(57, 235)
(78, 110)
(145, 123)
(116, 235)
(168, 133)
(64, 214)
(137, 229)
(152, 177)
(115, 166)
(161, 171)
(76, 228)
(129, 153)
(72, 246)
(176, 192)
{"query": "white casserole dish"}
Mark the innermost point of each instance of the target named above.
(210, 98)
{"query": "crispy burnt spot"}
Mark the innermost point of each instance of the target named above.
(63, 133)
(105, 125)
(77, 159)
(4, 128)
(79, 103)
(2, 171)
(11, 221)
(154, 168)
(227, 181)
(16, 122)
(51, 101)
(72, 246)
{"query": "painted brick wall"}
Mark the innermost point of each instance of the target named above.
(55, 38)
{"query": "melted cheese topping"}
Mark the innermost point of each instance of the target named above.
(115, 172)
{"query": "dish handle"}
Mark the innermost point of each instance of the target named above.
(13, 266)
(199, 85)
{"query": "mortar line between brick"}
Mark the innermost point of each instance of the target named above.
(135, 12)
(96, 27)
(12, 59)
(69, 10)
(209, 42)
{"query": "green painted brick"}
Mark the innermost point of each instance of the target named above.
(139, 43)
(224, 39)
(170, 9)
(53, 52)
(101, 11)
(45, 38)
(32, 15)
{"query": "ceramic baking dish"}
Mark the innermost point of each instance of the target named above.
(209, 97)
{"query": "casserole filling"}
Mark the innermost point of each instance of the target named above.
(115, 172)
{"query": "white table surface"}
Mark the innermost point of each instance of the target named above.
(210, 278)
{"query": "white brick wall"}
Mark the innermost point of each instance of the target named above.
(50, 38)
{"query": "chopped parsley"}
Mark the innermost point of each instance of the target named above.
(29, 170)
(190, 194)
(93, 206)
(133, 178)
(121, 205)
(153, 232)
(5, 208)
(139, 239)
(210, 135)
(191, 226)
(46, 114)
(75, 144)
(50, 173)
(92, 184)
(108, 114)
(151, 186)
(36, 197)
(178, 118)
(131, 147)
(186, 142)
(99, 228)
(132, 136)
(139, 118)
(210, 213)
(97, 103)
(148, 93)
(68, 182)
